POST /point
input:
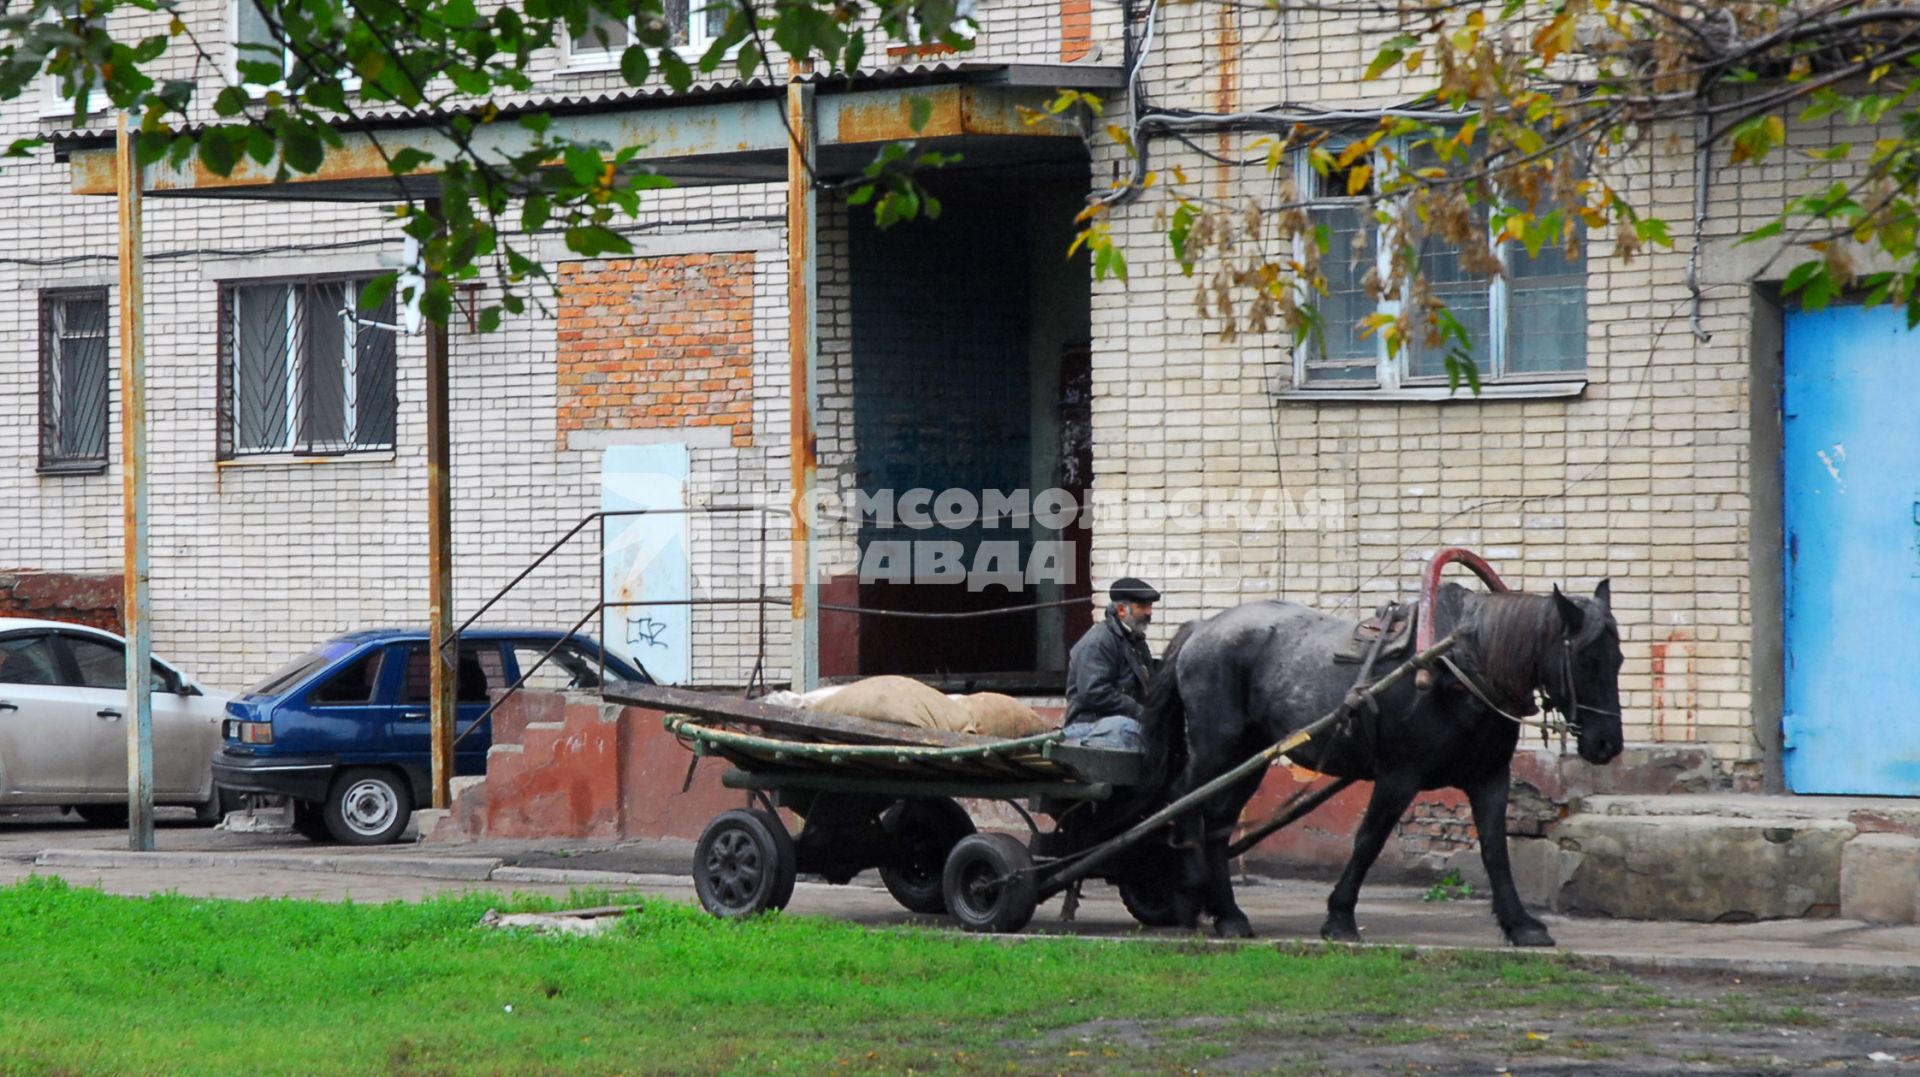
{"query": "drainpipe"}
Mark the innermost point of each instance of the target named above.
(803, 348)
(133, 500)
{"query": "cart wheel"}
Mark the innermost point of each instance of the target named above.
(925, 829)
(1151, 903)
(744, 864)
(989, 883)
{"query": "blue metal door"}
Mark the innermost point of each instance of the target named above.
(1851, 480)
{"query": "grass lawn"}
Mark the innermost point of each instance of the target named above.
(95, 983)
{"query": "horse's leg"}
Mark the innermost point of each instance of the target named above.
(1488, 796)
(1219, 817)
(1393, 792)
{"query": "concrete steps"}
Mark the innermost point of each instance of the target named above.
(1728, 858)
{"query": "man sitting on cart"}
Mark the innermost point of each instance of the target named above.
(1108, 671)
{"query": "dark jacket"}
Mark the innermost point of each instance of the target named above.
(1107, 673)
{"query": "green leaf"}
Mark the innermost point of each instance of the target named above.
(216, 152)
(747, 62)
(1765, 231)
(376, 290)
(635, 65)
(409, 159)
(1180, 232)
(678, 75)
(919, 111)
(303, 151)
(591, 240)
(232, 101)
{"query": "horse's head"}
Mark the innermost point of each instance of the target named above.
(1581, 672)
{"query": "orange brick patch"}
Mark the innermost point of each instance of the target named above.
(657, 343)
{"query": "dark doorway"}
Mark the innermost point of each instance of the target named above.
(968, 385)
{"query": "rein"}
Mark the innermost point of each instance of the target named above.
(1567, 723)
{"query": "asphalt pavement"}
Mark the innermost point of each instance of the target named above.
(207, 862)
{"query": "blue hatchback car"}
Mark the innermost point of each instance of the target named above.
(344, 732)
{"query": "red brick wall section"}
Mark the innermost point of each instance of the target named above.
(657, 343)
(1076, 30)
(62, 596)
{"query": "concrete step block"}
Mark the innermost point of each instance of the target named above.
(429, 821)
(1880, 879)
(1714, 868)
(459, 785)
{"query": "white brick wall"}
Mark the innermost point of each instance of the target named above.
(1645, 478)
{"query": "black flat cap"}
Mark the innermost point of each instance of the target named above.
(1129, 589)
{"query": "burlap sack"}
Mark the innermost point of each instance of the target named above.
(899, 700)
(991, 714)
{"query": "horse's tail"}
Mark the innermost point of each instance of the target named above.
(1163, 723)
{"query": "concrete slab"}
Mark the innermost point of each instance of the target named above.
(460, 868)
(1685, 867)
(1880, 879)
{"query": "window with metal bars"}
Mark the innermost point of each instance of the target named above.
(73, 380)
(305, 368)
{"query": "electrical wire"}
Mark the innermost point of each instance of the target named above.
(346, 244)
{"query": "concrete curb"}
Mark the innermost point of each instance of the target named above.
(457, 869)
(584, 877)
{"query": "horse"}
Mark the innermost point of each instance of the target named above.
(1234, 683)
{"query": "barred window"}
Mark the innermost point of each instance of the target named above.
(306, 369)
(73, 380)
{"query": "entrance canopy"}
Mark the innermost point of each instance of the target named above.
(993, 114)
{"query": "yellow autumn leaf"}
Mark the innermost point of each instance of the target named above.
(1357, 179)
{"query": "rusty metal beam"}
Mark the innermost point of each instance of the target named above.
(677, 132)
(133, 502)
(803, 346)
(442, 658)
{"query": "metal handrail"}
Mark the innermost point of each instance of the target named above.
(761, 599)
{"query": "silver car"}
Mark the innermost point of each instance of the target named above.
(63, 725)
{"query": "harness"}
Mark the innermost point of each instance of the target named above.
(1567, 723)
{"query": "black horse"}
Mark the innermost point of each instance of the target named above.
(1237, 682)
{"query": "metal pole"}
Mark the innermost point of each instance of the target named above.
(803, 346)
(440, 558)
(133, 500)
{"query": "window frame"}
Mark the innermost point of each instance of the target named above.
(164, 678)
(48, 639)
(228, 382)
(375, 655)
(1393, 373)
(349, 81)
(51, 462)
(594, 57)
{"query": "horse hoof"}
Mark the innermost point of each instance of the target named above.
(1530, 935)
(1334, 931)
(1234, 926)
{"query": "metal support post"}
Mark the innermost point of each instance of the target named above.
(133, 501)
(803, 348)
(440, 558)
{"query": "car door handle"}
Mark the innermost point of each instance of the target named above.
(6, 706)
(109, 714)
(415, 716)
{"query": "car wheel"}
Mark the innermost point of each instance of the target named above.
(310, 821)
(214, 810)
(102, 815)
(368, 807)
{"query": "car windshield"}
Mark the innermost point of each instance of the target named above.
(292, 673)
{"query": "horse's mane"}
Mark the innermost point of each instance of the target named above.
(1512, 633)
